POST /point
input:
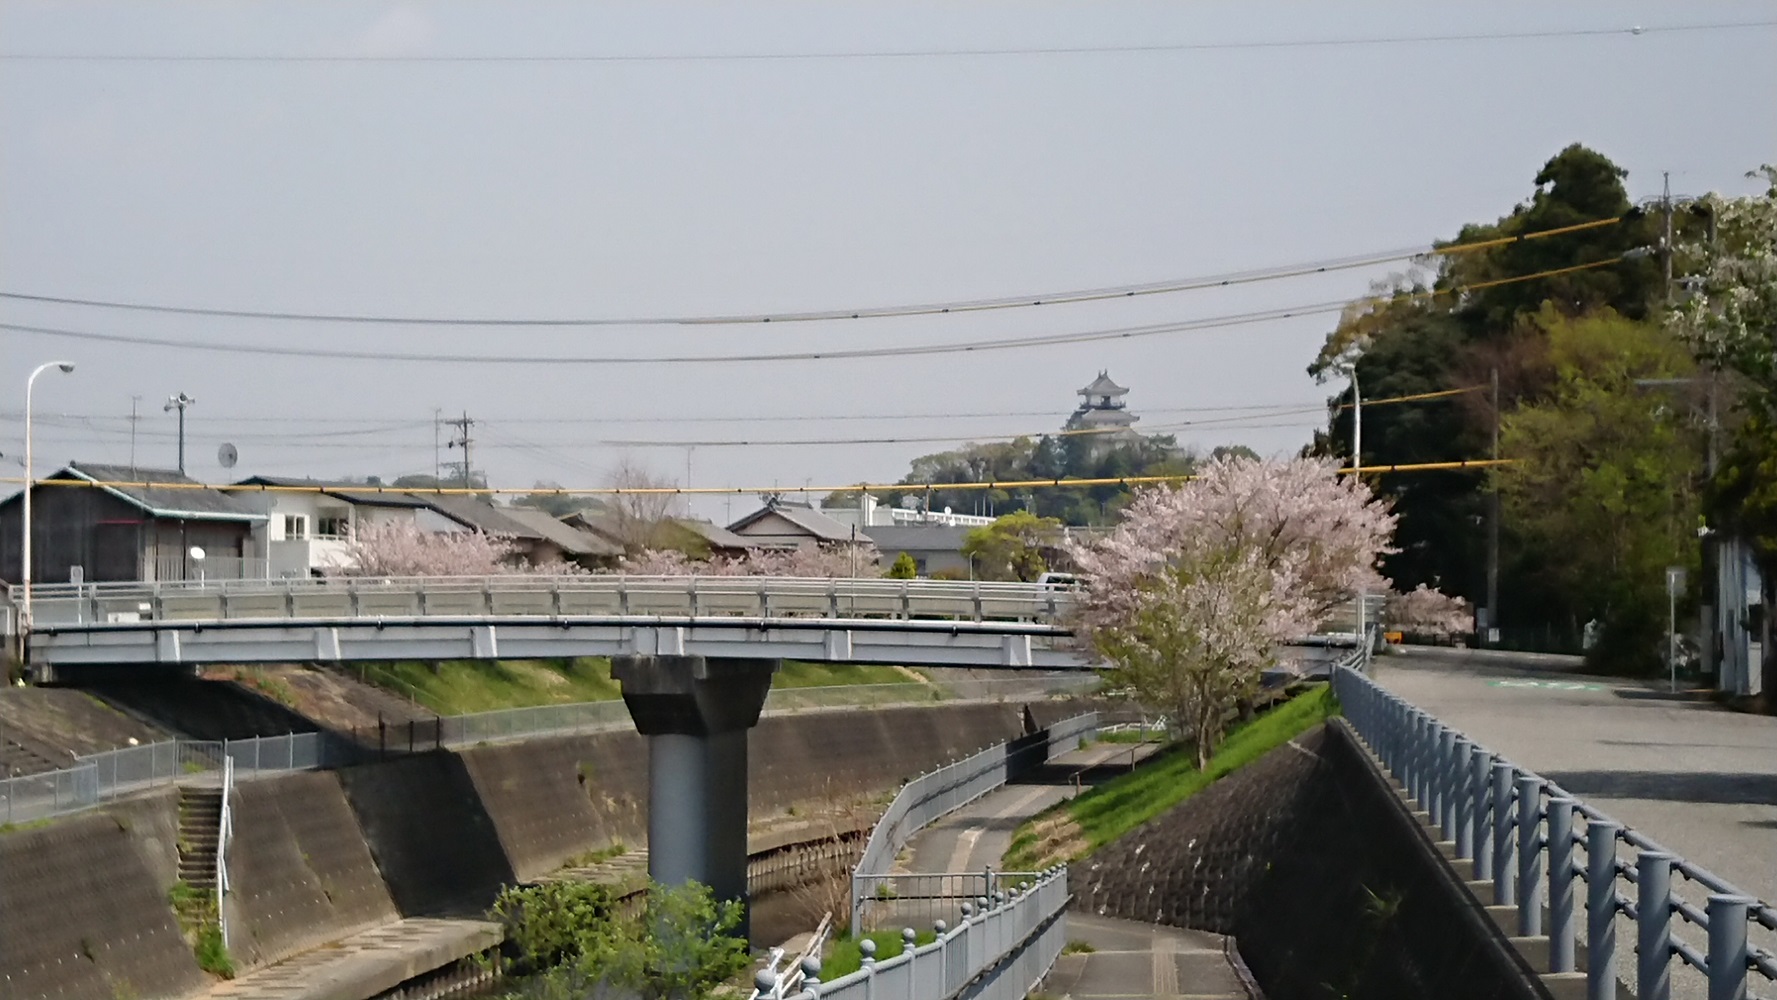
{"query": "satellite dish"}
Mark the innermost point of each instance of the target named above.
(197, 553)
(227, 455)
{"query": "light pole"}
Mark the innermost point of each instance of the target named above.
(179, 402)
(30, 482)
(1357, 462)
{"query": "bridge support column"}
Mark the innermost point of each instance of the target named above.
(695, 712)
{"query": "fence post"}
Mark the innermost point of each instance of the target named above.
(1561, 876)
(1530, 856)
(1446, 814)
(1465, 799)
(1503, 894)
(1480, 773)
(1601, 909)
(1727, 946)
(1653, 926)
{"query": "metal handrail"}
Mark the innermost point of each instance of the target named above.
(1509, 821)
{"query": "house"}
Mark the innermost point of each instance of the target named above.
(114, 530)
(721, 542)
(783, 525)
(561, 542)
(693, 536)
(310, 522)
(937, 549)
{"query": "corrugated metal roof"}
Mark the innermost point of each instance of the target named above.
(164, 492)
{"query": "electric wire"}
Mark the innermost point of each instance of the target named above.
(911, 350)
(959, 306)
(908, 53)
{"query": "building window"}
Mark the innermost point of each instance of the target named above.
(296, 525)
(333, 526)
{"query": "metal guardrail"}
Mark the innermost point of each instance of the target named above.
(1542, 847)
(523, 596)
(999, 950)
(936, 794)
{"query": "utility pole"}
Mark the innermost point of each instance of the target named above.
(464, 441)
(1357, 462)
(437, 445)
(135, 401)
(1666, 241)
(1493, 521)
(179, 402)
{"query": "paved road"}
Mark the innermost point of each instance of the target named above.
(1701, 780)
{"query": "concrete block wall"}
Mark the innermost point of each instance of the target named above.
(301, 872)
(84, 911)
(552, 799)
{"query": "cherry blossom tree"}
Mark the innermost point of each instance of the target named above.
(1194, 590)
(829, 562)
(1427, 612)
(401, 548)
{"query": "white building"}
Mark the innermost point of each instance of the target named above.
(310, 523)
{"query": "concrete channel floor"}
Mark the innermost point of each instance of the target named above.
(1129, 959)
(1133, 959)
(363, 964)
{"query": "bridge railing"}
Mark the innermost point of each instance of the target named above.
(1571, 872)
(524, 596)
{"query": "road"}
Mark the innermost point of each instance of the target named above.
(1699, 779)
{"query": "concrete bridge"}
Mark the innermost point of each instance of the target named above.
(901, 622)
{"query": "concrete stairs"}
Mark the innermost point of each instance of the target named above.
(200, 831)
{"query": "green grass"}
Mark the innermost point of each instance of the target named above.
(846, 958)
(458, 687)
(1122, 804)
(795, 673)
(196, 911)
(1130, 736)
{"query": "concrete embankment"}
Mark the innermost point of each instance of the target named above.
(321, 856)
(1311, 862)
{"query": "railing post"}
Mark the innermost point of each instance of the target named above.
(1446, 814)
(1480, 776)
(1503, 841)
(1561, 877)
(1465, 799)
(1530, 856)
(1653, 926)
(1601, 909)
(1727, 946)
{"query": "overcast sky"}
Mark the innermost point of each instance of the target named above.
(910, 159)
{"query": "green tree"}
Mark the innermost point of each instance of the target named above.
(555, 504)
(1605, 487)
(904, 568)
(1012, 547)
(683, 947)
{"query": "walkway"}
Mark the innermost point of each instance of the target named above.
(364, 964)
(1132, 959)
(1698, 779)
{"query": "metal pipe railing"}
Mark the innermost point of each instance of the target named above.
(1527, 835)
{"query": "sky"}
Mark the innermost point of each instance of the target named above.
(608, 161)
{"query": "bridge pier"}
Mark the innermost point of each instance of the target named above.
(695, 712)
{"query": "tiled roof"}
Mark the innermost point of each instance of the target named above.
(163, 492)
(571, 540)
(812, 521)
(891, 539)
(718, 536)
(1103, 386)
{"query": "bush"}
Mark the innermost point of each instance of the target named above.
(904, 568)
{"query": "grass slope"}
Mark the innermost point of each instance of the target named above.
(847, 957)
(1110, 810)
(456, 687)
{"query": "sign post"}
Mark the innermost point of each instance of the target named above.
(1674, 586)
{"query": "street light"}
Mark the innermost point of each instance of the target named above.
(1357, 462)
(30, 481)
(180, 402)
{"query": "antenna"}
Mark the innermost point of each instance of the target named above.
(227, 455)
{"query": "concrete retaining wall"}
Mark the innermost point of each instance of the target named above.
(84, 912)
(300, 870)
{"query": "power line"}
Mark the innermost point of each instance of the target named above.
(1462, 464)
(1093, 336)
(925, 53)
(1025, 301)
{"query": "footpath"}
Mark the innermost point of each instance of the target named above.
(1127, 959)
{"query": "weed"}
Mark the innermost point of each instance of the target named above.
(194, 767)
(196, 910)
(1078, 948)
(615, 849)
(846, 957)
(1110, 810)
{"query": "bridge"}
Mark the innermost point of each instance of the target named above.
(935, 623)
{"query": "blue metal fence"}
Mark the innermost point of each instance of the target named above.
(1551, 856)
